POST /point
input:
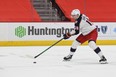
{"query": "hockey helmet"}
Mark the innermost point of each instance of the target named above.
(75, 12)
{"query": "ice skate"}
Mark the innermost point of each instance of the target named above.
(68, 58)
(103, 60)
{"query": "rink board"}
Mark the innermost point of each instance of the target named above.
(47, 33)
(50, 42)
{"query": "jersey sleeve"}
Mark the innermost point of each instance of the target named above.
(76, 26)
(75, 31)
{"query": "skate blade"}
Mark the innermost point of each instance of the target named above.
(67, 60)
(103, 62)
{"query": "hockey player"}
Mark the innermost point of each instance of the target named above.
(88, 32)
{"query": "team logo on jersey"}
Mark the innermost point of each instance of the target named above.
(104, 29)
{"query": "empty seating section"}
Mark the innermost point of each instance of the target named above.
(17, 11)
(97, 10)
(23, 11)
(67, 5)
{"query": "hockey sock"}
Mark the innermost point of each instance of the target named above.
(98, 51)
(74, 46)
(72, 51)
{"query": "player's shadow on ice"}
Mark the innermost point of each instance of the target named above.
(90, 62)
(85, 61)
(3, 55)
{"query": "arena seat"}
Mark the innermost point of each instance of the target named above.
(17, 11)
(96, 10)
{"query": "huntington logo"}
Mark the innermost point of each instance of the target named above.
(20, 31)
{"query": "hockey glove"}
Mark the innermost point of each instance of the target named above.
(67, 35)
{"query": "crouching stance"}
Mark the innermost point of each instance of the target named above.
(88, 32)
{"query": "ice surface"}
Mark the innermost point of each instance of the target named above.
(18, 62)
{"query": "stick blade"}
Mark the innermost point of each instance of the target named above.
(35, 56)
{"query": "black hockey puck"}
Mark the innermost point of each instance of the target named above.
(34, 62)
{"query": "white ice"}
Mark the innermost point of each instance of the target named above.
(18, 62)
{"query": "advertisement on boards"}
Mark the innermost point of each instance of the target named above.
(49, 31)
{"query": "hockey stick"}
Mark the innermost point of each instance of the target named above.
(48, 48)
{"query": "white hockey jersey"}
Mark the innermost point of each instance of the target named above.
(83, 25)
